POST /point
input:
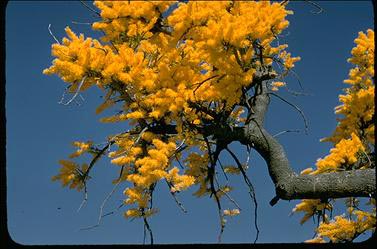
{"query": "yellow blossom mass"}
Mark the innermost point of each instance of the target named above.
(162, 68)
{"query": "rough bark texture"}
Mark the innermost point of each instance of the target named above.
(289, 185)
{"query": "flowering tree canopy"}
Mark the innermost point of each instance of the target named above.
(193, 77)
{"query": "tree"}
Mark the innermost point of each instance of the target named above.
(193, 77)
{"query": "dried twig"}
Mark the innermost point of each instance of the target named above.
(286, 131)
(173, 194)
(211, 174)
(222, 168)
(83, 23)
(320, 9)
(296, 107)
(251, 191)
(101, 215)
(146, 226)
(76, 93)
(85, 198)
(89, 8)
(53, 36)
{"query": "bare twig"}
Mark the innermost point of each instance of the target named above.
(63, 95)
(173, 194)
(222, 168)
(146, 225)
(76, 93)
(248, 156)
(90, 8)
(53, 36)
(202, 82)
(297, 108)
(286, 131)
(112, 212)
(296, 93)
(251, 191)
(211, 174)
(135, 142)
(230, 198)
(85, 198)
(179, 162)
(320, 9)
(83, 23)
(102, 206)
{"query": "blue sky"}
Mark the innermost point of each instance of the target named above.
(39, 133)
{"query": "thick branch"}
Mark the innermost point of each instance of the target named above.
(289, 185)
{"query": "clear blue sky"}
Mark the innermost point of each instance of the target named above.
(40, 131)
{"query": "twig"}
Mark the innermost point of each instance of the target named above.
(297, 77)
(202, 82)
(294, 106)
(84, 23)
(230, 198)
(53, 36)
(283, 74)
(251, 191)
(76, 93)
(248, 156)
(102, 206)
(286, 131)
(146, 225)
(295, 93)
(211, 173)
(112, 212)
(315, 5)
(135, 142)
(85, 198)
(222, 168)
(89, 8)
(179, 162)
(173, 194)
(97, 156)
(370, 162)
(63, 95)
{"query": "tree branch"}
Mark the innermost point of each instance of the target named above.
(290, 186)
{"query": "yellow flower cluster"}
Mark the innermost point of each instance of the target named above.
(135, 213)
(82, 148)
(197, 166)
(316, 239)
(341, 157)
(123, 21)
(231, 169)
(77, 57)
(275, 85)
(338, 230)
(358, 103)
(232, 212)
(311, 207)
(343, 229)
(179, 182)
(71, 173)
(158, 72)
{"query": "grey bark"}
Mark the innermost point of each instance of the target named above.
(288, 184)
